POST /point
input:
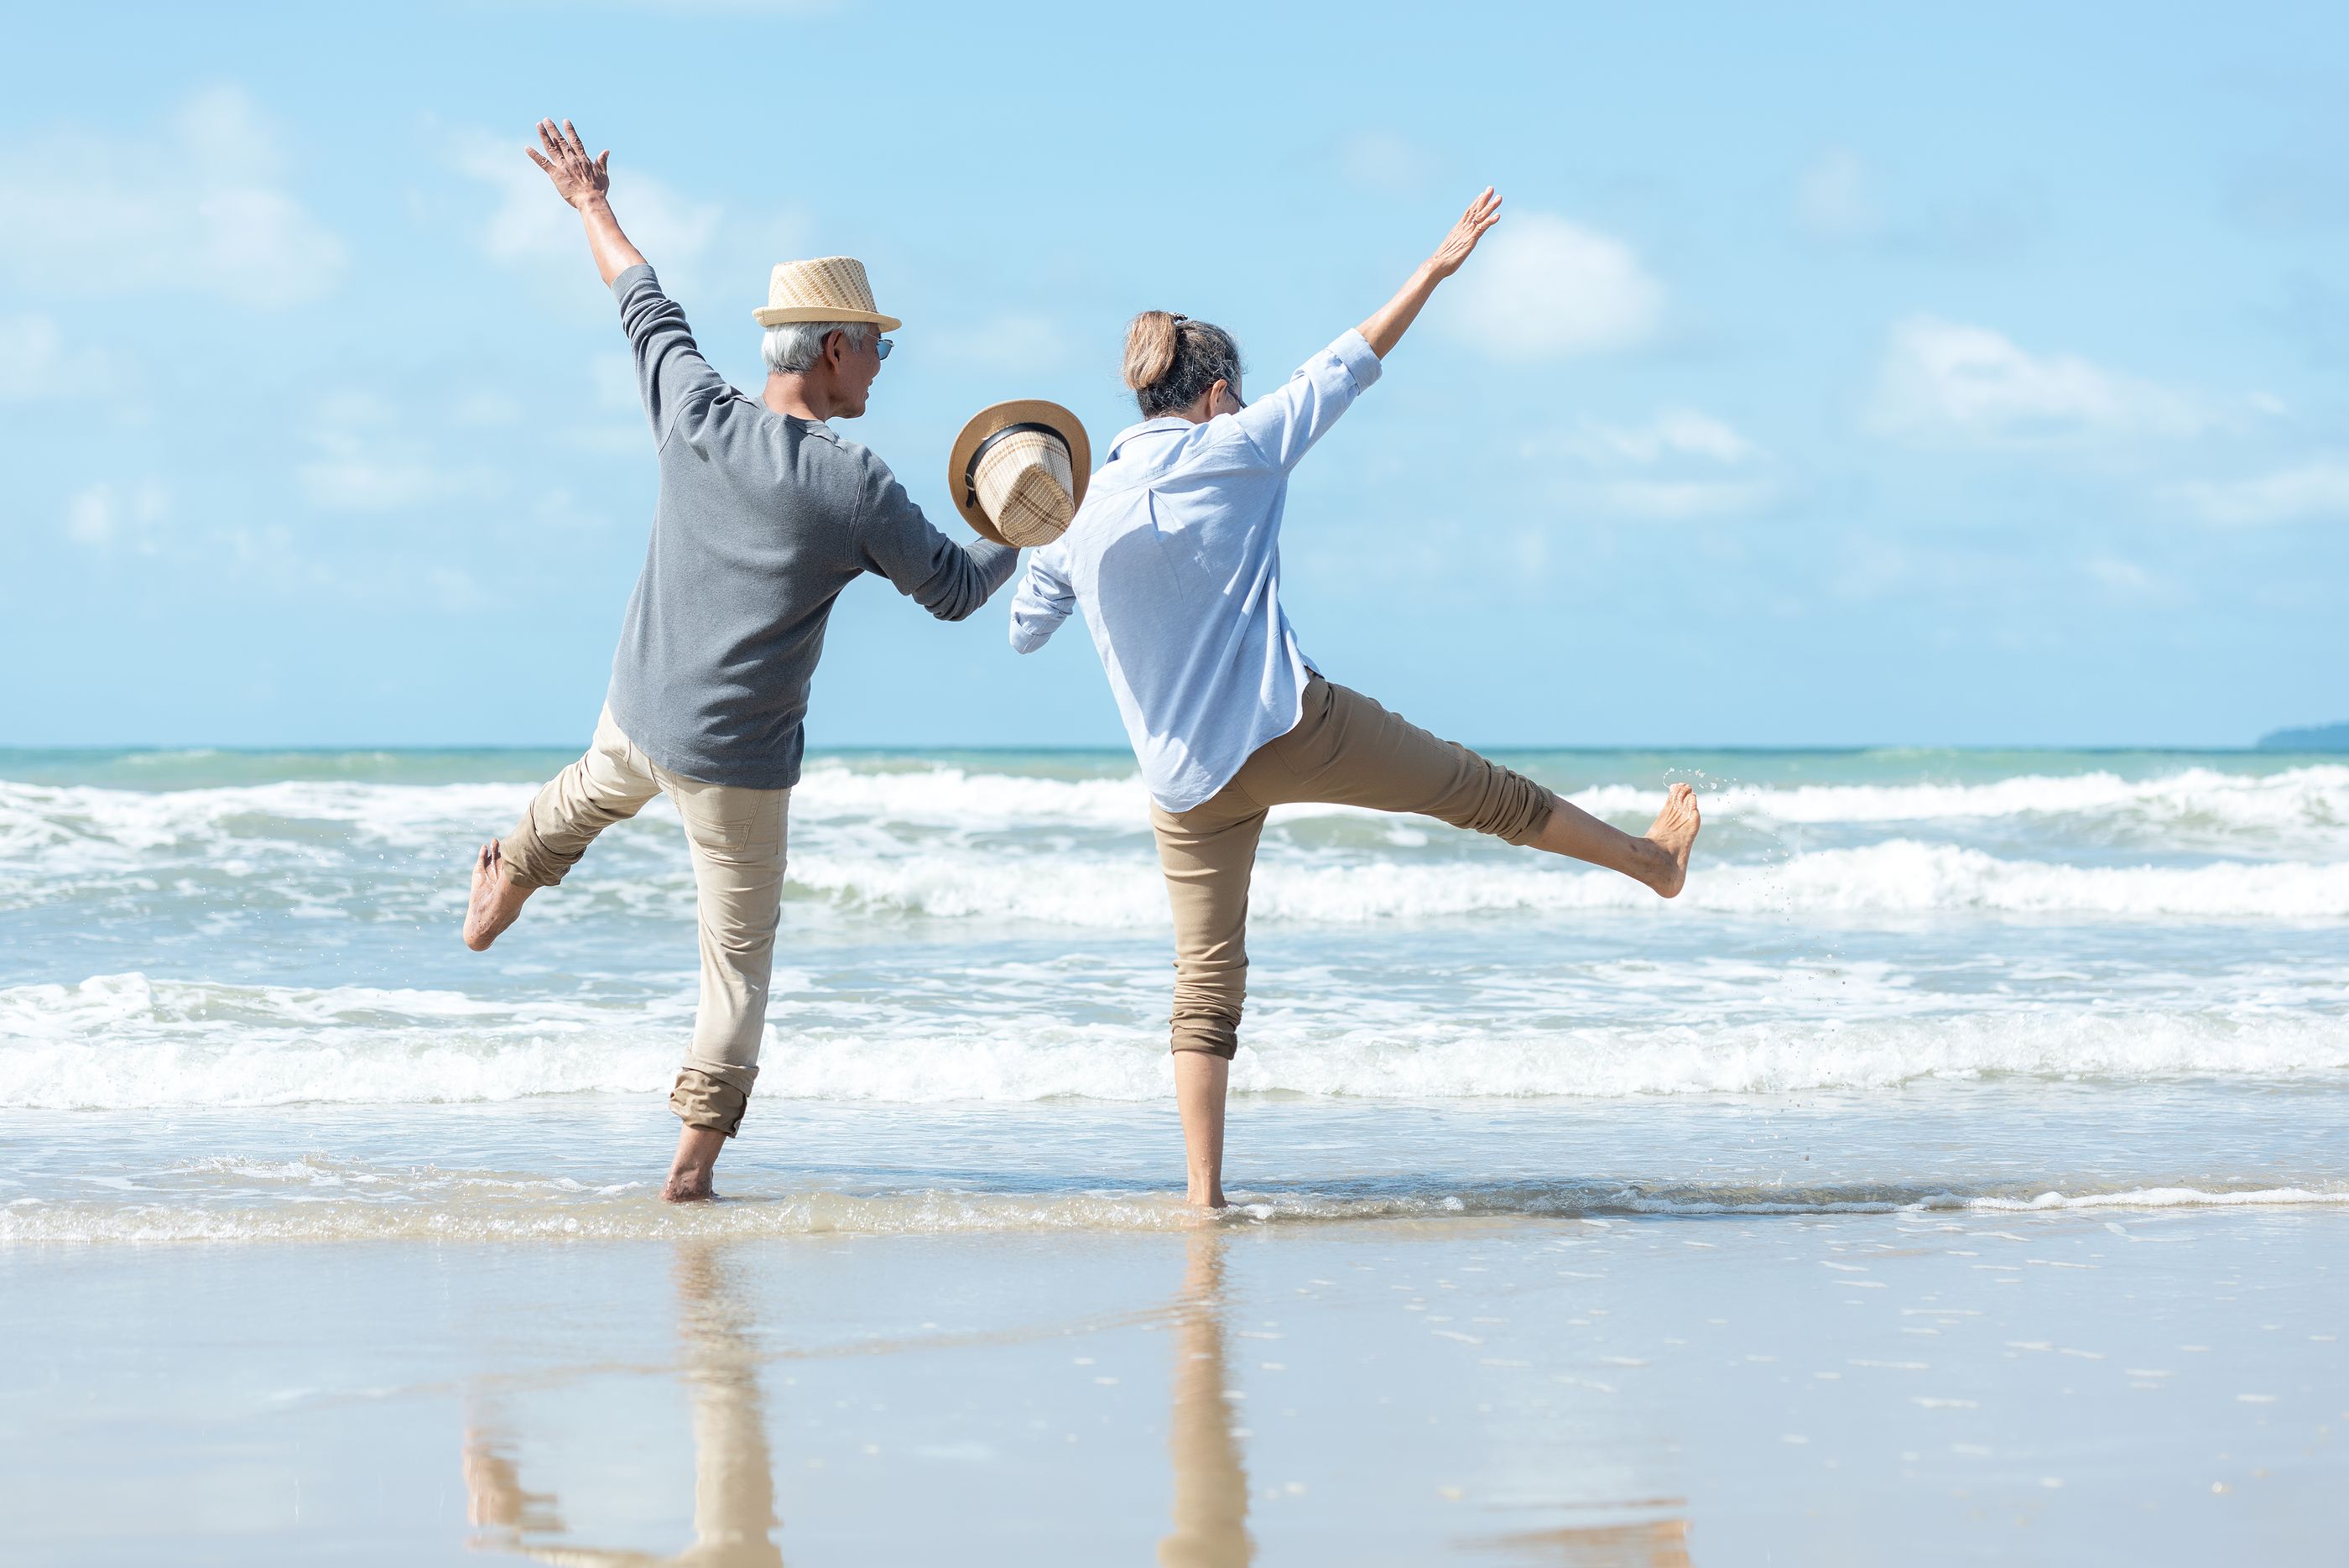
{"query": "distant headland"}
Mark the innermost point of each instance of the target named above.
(2315, 738)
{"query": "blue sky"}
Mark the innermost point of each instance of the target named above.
(1838, 375)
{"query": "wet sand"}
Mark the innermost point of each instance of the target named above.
(2152, 1386)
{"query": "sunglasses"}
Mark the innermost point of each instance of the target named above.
(881, 347)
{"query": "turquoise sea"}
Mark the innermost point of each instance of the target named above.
(232, 1002)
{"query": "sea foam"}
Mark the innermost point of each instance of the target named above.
(126, 1042)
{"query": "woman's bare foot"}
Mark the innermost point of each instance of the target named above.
(497, 899)
(1674, 834)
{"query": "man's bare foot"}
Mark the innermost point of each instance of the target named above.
(689, 1172)
(497, 899)
(688, 1187)
(1674, 834)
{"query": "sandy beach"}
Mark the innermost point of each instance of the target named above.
(2123, 1384)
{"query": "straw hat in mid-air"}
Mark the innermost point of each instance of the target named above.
(1018, 469)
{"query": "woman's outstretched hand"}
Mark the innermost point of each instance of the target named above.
(1385, 328)
(1482, 214)
(577, 176)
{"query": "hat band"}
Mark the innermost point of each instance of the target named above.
(978, 454)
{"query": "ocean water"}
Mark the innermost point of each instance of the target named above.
(232, 1002)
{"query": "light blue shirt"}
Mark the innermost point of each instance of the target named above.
(1175, 560)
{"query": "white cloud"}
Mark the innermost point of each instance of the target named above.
(1540, 287)
(483, 409)
(107, 513)
(1680, 464)
(2126, 579)
(1946, 381)
(1382, 162)
(1675, 433)
(533, 226)
(1014, 342)
(197, 207)
(37, 367)
(365, 459)
(1832, 200)
(2307, 493)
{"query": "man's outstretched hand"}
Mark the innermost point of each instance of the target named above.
(577, 176)
(1482, 214)
(582, 181)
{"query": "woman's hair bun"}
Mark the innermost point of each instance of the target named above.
(1152, 342)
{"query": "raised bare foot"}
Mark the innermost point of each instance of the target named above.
(497, 899)
(1674, 834)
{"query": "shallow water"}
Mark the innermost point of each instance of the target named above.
(1982, 962)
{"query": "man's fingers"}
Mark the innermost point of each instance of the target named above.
(549, 140)
(540, 159)
(576, 145)
(604, 161)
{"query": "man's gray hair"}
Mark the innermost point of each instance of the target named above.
(796, 345)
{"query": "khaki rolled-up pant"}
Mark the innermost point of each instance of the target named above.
(736, 839)
(1346, 750)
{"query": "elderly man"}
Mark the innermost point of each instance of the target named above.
(765, 514)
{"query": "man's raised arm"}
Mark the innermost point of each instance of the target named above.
(585, 182)
(671, 375)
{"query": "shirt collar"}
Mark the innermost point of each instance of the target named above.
(1150, 427)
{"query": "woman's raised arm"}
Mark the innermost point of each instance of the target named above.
(1385, 327)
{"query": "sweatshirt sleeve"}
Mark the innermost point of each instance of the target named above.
(671, 375)
(1285, 424)
(898, 542)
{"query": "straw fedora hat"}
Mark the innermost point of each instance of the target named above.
(828, 289)
(1017, 471)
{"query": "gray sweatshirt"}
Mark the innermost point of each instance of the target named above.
(762, 520)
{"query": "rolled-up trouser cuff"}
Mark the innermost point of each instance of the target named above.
(710, 1100)
(1514, 809)
(1532, 806)
(1216, 1032)
(528, 862)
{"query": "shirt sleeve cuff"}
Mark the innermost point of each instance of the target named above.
(1353, 351)
(630, 277)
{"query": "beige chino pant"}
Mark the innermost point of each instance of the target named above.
(736, 839)
(1346, 750)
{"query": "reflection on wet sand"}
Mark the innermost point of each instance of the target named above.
(734, 1519)
(1211, 1490)
(1650, 1543)
(734, 1486)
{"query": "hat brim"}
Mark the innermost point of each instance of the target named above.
(1019, 411)
(785, 314)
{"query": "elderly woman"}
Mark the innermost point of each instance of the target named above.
(1174, 559)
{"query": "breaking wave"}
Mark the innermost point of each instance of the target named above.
(123, 1042)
